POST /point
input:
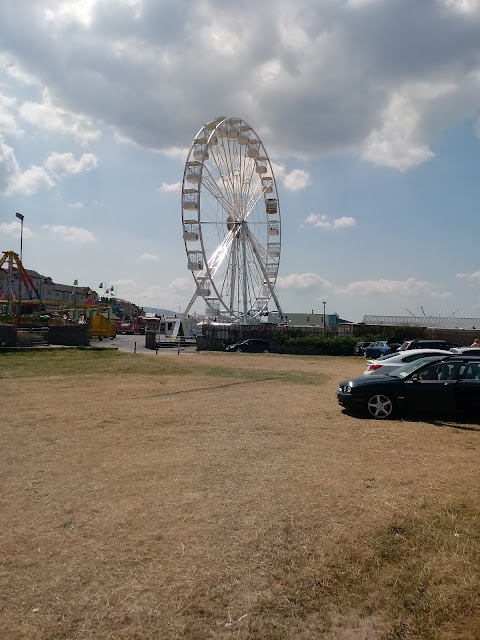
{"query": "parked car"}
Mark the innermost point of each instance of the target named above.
(252, 345)
(466, 351)
(426, 385)
(359, 348)
(380, 348)
(393, 361)
(427, 344)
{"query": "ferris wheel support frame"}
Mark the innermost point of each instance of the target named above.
(265, 275)
(246, 234)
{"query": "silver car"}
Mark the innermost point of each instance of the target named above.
(392, 361)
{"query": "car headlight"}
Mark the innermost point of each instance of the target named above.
(345, 388)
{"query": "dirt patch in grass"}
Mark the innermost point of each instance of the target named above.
(227, 496)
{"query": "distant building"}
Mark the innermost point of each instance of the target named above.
(428, 322)
(311, 319)
(48, 290)
(62, 295)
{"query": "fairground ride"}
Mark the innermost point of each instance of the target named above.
(12, 295)
(12, 299)
(231, 222)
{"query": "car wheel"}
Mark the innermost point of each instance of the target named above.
(238, 350)
(380, 406)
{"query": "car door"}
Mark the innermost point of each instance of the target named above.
(428, 390)
(468, 389)
(257, 346)
(373, 351)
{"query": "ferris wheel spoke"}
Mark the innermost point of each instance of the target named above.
(258, 193)
(233, 272)
(263, 269)
(221, 163)
(252, 279)
(215, 190)
(219, 254)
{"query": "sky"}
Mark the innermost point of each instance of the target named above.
(369, 111)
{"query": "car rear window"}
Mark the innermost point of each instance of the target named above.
(389, 355)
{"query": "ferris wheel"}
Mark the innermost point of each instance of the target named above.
(231, 221)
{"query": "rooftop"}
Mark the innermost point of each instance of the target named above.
(437, 322)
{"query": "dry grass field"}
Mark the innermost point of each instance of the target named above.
(226, 496)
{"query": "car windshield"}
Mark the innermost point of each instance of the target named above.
(403, 346)
(407, 369)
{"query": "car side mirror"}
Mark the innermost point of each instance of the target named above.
(415, 378)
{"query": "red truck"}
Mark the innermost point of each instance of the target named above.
(126, 327)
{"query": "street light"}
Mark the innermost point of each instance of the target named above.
(324, 317)
(19, 308)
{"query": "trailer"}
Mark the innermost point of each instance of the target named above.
(102, 326)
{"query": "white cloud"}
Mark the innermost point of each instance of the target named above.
(170, 187)
(302, 281)
(55, 119)
(125, 286)
(149, 257)
(15, 181)
(29, 182)
(409, 288)
(294, 180)
(8, 124)
(14, 70)
(61, 14)
(466, 7)
(358, 4)
(76, 205)
(175, 153)
(395, 144)
(472, 278)
(324, 222)
(65, 163)
(13, 230)
(173, 296)
(181, 285)
(75, 235)
(313, 67)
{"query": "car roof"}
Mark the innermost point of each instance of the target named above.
(409, 352)
(425, 340)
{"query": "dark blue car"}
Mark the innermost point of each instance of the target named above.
(380, 348)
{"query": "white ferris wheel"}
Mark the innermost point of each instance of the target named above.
(231, 221)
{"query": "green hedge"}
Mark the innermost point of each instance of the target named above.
(304, 343)
(311, 343)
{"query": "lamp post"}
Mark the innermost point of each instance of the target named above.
(75, 284)
(19, 307)
(324, 317)
(111, 292)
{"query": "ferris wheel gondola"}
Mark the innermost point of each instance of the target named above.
(231, 221)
